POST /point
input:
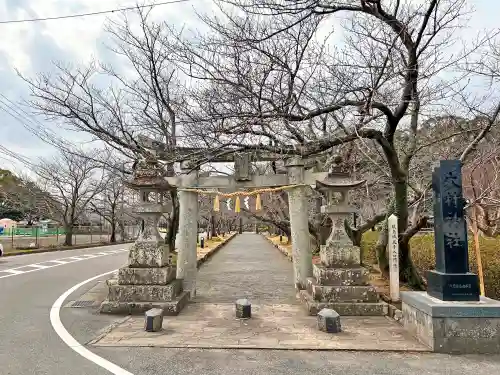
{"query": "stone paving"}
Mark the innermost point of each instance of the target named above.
(247, 267)
(250, 267)
(271, 327)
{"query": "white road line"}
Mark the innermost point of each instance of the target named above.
(57, 262)
(55, 320)
(39, 266)
(13, 272)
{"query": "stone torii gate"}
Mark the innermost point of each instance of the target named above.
(296, 174)
(150, 280)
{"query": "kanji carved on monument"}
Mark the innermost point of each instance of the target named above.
(450, 235)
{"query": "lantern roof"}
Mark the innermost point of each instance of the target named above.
(338, 178)
(149, 174)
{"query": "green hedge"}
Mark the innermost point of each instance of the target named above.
(422, 251)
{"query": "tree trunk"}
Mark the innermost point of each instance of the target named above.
(356, 233)
(407, 270)
(173, 223)
(288, 233)
(399, 206)
(68, 238)
(112, 237)
(381, 249)
(212, 225)
(123, 234)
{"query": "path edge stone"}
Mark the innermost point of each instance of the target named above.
(394, 313)
(209, 254)
(280, 248)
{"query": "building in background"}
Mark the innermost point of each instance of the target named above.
(6, 225)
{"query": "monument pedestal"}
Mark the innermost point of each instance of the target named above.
(453, 327)
(138, 290)
(147, 282)
(340, 283)
(453, 286)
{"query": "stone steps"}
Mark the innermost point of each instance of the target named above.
(341, 293)
(170, 308)
(344, 308)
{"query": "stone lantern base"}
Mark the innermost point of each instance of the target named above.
(148, 282)
(341, 284)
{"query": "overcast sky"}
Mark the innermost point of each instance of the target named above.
(32, 46)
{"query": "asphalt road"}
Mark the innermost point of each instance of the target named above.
(29, 345)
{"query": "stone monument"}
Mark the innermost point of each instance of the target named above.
(451, 317)
(339, 282)
(149, 281)
(451, 280)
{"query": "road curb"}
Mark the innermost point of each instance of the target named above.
(48, 250)
(209, 254)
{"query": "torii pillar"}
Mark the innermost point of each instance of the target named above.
(299, 223)
(188, 231)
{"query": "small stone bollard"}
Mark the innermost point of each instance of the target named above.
(153, 320)
(243, 309)
(329, 321)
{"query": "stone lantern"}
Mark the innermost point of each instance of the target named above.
(149, 279)
(149, 250)
(339, 282)
(338, 249)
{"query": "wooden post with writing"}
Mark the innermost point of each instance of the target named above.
(393, 253)
(475, 232)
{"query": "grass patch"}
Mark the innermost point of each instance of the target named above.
(422, 252)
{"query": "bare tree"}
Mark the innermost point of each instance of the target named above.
(121, 108)
(23, 197)
(482, 189)
(108, 203)
(269, 84)
(275, 84)
(71, 182)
